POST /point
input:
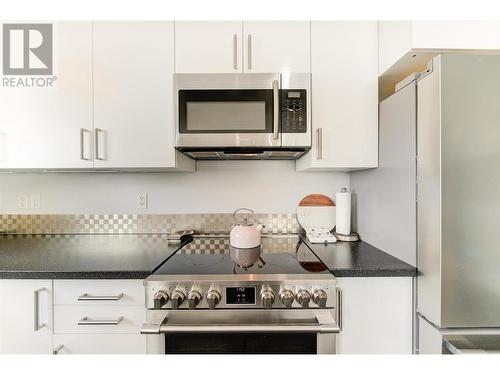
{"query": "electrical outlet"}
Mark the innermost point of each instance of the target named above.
(142, 200)
(22, 202)
(35, 201)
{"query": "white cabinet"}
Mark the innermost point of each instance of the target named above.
(377, 315)
(344, 96)
(400, 40)
(133, 66)
(99, 344)
(25, 316)
(236, 46)
(99, 317)
(50, 127)
(208, 47)
(276, 46)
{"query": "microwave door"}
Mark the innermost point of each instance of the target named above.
(228, 111)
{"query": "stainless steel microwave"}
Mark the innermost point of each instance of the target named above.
(243, 116)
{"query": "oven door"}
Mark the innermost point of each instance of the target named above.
(309, 331)
(227, 110)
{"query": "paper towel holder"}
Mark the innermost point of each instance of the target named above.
(351, 237)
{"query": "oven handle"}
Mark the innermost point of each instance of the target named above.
(165, 328)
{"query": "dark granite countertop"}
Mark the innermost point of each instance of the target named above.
(83, 256)
(359, 259)
(136, 256)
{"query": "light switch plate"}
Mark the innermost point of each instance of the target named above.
(35, 201)
(142, 200)
(22, 201)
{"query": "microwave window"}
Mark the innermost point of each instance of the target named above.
(226, 116)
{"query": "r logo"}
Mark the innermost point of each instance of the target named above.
(27, 49)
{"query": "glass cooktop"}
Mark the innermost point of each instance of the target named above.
(215, 256)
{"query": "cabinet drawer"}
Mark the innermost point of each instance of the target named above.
(99, 292)
(100, 344)
(98, 319)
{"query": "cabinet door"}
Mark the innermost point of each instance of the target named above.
(276, 46)
(208, 47)
(344, 58)
(377, 315)
(133, 95)
(25, 316)
(41, 127)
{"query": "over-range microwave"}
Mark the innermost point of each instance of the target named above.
(243, 116)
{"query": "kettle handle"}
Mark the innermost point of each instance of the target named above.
(240, 209)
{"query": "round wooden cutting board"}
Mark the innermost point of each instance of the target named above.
(316, 211)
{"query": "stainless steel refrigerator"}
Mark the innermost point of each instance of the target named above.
(444, 130)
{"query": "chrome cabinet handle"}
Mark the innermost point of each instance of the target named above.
(57, 349)
(276, 108)
(36, 301)
(86, 321)
(82, 144)
(97, 154)
(235, 51)
(319, 134)
(339, 308)
(90, 297)
(249, 51)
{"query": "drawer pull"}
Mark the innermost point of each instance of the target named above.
(89, 297)
(86, 321)
(57, 349)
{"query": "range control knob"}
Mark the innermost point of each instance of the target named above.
(213, 298)
(319, 297)
(286, 298)
(160, 298)
(267, 298)
(194, 298)
(303, 297)
(178, 297)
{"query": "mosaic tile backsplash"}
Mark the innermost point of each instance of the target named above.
(115, 224)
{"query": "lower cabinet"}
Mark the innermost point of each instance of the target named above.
(377, 315)
(99, 317)
(99, 344)
(25, 316)
(72, 317)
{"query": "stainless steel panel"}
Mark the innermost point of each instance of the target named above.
(270, 321)
(225, 81)
(470, 191)
(429, 195)
(298, 81)
(385, 195)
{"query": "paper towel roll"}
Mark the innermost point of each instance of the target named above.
(343, 212)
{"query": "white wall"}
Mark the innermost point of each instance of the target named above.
(216, 187)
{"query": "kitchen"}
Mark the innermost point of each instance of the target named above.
(187, 187)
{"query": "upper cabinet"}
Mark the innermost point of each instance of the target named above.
(397, 38)
(406, 47)
(133, 96)
(208, 47)
(47, 119)
(276, 46)
(236, 46)
(109, 104)
(344, 96)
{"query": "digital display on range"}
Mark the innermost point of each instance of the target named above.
(240, 296)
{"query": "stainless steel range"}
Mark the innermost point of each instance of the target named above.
(199, 301)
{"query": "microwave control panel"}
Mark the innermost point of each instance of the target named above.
(293, 111)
